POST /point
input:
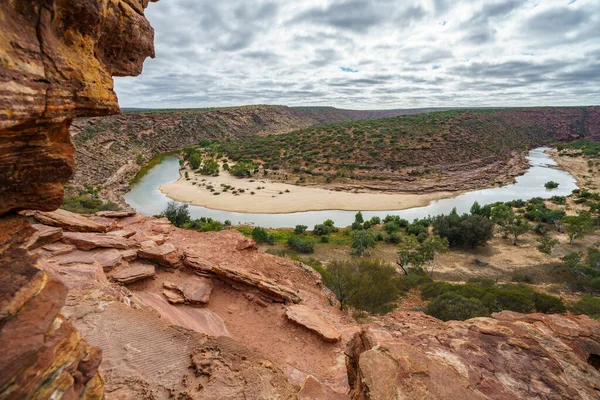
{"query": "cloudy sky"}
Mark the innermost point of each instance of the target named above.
(370, 54)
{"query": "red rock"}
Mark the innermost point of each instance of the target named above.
(88, 241)
(311, 320)
(173, 296)
(134, 273)
(315, 390)
(194, 290)
(108, 223)
(115, 214)
(166, 255)
(44, 235)
(58, 249)
(68, 221)
(108, 259)
(75, 257)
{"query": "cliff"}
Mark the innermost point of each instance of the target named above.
(56, 63)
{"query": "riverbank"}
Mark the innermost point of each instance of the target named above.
(586, 175)
(262, 196)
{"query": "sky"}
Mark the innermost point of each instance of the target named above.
(370, 54)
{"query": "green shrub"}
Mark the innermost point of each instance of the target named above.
(261, 236)
(587, 305)
(547, 304)
(464, 230)
(368, 285)
(301, 245)
(177, 214)
(300, 229)
(87, 205)
(453, 306)
(551, 185)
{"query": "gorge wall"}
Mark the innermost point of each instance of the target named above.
(57, 59)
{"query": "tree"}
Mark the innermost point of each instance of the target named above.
(177, 214)
(546, 244)
(431, 247)
(195, 160)
(409, 254)
(516, 228)
(359, 217)
(578, 226)
(210, 167)
(368, 285)
(300, 229)
(361, 241)
(261, 236)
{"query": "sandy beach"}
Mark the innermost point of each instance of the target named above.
(275, 197)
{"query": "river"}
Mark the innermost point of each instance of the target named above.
(147, 199)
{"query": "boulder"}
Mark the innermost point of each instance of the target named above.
(75, 257)
(166, 254)
(315, 390)
(196, 262)
(108, 258)
(68, 221)
(44, 235)
(269, 288)
(115, 214)
(173, 296)
(194, 290)
(134, 272)
(313, 321)
(58, 249)
(88, 241)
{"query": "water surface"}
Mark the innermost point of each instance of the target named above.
(147, 199)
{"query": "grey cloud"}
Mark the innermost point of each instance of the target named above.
(277, 52)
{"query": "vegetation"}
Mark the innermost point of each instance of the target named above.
(85, 204)
(367, 285)
(464, 230)
(551, 185)
(411, 144)
(301, 245)
(458, 301)
(261, 236)
(178, 214)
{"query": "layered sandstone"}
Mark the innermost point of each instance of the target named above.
(240, 341)
(57, 59)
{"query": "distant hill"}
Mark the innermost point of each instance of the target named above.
(448, 150)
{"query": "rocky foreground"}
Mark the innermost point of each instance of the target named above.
(179, 313)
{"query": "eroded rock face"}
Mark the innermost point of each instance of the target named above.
(508, 356)
(57, 61)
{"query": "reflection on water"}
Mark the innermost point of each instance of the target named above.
(148, 200)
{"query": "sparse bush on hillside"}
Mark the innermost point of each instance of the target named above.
(87, 204)
(453, 306)
(587, 305)
(368, 285)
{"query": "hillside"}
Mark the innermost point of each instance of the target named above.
(449, 150)
(112, 149)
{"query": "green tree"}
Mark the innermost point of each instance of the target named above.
(260, 235)
(195, 160)
(359, 217)
(361, 241)
(578, 226)
(409, 254)
(300, 229)
(177, 214)
(546, 244)
(431, 247)
(515, 228)
(368, 285)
